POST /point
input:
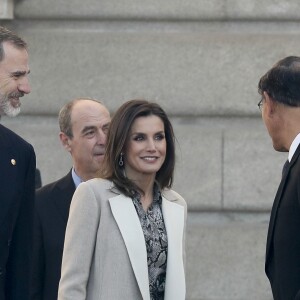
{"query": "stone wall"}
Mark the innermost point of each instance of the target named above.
(201, 60)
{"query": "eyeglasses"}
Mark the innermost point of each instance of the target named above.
(260, 103)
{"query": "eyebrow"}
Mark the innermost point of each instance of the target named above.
(20, 73)
(87, 128)
(158, 132)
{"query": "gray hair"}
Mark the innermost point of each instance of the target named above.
(9, 36)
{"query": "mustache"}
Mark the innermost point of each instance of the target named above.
(16, 95)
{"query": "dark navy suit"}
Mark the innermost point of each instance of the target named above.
(17, 179)
(52, 211)
(283, 243)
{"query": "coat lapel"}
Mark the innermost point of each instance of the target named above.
(128, 222)
(174, 222)
(64, 190)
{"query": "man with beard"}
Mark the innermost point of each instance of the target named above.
(83, 127)
(17, 173)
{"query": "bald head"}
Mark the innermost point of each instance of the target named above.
(64, 117)
(84, 124)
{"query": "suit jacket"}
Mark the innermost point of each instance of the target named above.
(17, 172)
(105, 254)
(283, 242)
(52, 210)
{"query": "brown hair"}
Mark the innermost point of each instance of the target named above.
(117, 137)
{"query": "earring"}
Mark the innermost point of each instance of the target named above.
(121, 162)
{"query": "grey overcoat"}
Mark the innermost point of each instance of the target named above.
(105, 254)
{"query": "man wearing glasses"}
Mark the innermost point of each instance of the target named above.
(280, 108)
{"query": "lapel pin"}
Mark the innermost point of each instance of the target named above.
(13, 162)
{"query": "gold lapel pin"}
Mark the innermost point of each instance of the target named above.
(13, 162)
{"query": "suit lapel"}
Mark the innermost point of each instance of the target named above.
(128, 222)
(64, 191)
(174, 222)
(277, 201)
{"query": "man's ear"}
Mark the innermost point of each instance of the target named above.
(270, 105)
(65, 140)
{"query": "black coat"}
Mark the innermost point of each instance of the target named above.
(283, 243)
(52, 211)
(17, 179)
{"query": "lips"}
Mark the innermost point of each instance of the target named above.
(99, 153)
(150, 158)
(15, 102)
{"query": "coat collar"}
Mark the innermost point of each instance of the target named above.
(174, 221)
(170, 196)
(128, 222)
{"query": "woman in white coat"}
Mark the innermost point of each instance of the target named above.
(125, 234)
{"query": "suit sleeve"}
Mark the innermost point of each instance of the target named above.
(297, 297)
(19, 260)
(79, 244)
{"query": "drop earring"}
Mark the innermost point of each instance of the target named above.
(121, 162)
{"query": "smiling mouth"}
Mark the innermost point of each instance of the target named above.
(99, 154)
(148, 158)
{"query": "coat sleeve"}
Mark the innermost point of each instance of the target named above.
(20, 254)
(79, 244)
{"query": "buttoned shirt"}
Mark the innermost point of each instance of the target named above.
(77, 180)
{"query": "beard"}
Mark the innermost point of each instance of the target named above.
(6, 106)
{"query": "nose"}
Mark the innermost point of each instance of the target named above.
(24, 85)
(101, 137)
(151, 145)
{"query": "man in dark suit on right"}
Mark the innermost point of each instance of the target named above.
(280, 106)
(83, 124)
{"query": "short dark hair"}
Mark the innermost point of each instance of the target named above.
(282, 81)
(117, 138)
(8, 36)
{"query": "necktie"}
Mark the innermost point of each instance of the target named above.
(285, 167)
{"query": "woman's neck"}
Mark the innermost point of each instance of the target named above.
(146, 185)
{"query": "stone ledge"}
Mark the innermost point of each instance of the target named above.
(190, 72)
(164, 10)
(222, 164)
